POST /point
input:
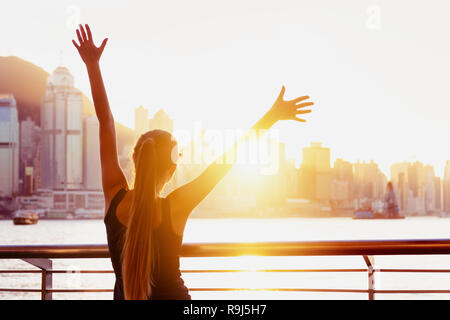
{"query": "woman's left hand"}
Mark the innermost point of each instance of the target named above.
(289, 109)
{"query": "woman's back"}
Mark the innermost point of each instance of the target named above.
(168, 282)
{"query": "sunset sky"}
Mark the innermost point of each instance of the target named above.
(378, 71)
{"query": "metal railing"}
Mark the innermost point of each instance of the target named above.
(41, 257)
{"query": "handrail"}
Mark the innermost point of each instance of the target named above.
(40, 256)
(298, 248)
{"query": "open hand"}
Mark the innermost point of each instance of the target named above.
(87, 49)
(289, 109)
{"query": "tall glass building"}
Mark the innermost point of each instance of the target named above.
(9, 146)
(61, 140)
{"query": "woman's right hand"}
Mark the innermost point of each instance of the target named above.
(87, 49)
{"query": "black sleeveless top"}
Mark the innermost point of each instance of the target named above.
(168, 282)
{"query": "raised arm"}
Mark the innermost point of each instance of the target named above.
(112, 176)
(184, 199)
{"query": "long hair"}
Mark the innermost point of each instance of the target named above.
(140, 255)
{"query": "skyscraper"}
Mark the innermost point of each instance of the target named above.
(61, 135)
(415, 178)
(9, 146)
(92, 167)
(317, 157)
(161, 120)
(437, 194)
(29, 141)
(417, 186)
(430, 189)
(446, 188)
(399, 177)
(141, 124)
(342, 180)
(370, 182)
(315, 173)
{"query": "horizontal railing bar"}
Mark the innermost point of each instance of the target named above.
(193, 271)
(78, 290)
(414, 270)
(196, 289)
(412, 291)
(281, 289)
(80, 271)
(54, 251)
(217, 271)
(222, 270)
(239, 289)
(305, 248)
(199, 250)
(319, 248)
(20, 271)
(19, 290)
(240, 270)
(319, 290)
(274, 270)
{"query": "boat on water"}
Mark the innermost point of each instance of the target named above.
(25, 217)
(369, 214)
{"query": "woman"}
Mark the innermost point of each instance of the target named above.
(390, 202)
(145, 231)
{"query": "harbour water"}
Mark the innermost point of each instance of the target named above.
(243, 230)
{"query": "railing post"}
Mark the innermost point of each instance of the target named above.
(370, 261)
(47, 279)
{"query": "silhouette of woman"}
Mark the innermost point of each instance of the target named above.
(145, 231)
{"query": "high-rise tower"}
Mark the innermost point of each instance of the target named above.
(61, 140)
(9, 145)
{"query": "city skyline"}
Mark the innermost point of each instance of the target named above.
(224, 66)
(205, 150)
(142, 115)
(75, 172)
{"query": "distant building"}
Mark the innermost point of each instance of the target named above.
(446, 188)
(431, 190)
(438, 194)
(315, 173)
(29, 142)
(399, 178)
(91, 154)
(61, 135)
(317, 157)
(9, 146)
(161, 120)
(416, 186)
(415, 178)
(28, 184)
(77, 199)
(342, 185)
(369, 181)
(64, 201)
(141, 124)
(419, 189)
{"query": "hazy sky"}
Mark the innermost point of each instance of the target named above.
(378, 71)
